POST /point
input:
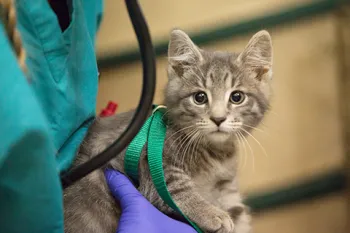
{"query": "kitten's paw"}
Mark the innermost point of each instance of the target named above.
(219, 223)
(225, 224)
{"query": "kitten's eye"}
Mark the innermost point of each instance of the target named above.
(200, 98)
(237, 97)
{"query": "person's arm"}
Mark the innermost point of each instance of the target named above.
(30, 190)
(139, 215)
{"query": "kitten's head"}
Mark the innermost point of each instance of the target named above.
(218, 94)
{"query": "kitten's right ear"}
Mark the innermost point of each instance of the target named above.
(182, 51)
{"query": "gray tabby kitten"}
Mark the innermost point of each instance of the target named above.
(210, 97)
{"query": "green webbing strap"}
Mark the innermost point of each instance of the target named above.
(153, 132)
(133, 152)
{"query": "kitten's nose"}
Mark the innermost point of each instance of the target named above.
(218, 120)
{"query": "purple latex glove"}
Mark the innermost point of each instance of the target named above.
(138, 215)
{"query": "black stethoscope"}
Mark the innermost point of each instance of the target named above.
(143, 108)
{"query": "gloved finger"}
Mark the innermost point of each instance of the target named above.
(179, 226)
(121, 187)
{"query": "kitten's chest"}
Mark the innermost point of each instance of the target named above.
(218, 182)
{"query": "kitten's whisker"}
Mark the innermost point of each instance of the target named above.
(178, 131)
(183, 138)
(186, 143)
(246, 157)
(263, 124)
(179, 137)
(273, 112)
(251, 150)
(192, 143)
(200, 137)
(240, 146)
(195, 146)
(191, 148)
(255, 128)
(256, 140)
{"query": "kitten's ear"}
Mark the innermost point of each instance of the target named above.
(182, 51)
(257, 55)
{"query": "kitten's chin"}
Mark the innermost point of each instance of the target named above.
(218, 137)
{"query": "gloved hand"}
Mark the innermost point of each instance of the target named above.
(138, 215)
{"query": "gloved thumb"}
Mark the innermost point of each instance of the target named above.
(121, 187)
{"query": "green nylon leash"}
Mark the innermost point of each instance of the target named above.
(153, 133)
(133, 152)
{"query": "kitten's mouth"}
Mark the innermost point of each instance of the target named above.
(218, 131)
(218, 136)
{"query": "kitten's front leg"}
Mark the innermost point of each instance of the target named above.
(207, 216)
(231, 201)
(241, 219)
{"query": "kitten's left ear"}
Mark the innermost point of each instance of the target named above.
(257, 56)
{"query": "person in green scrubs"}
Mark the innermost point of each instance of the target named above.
(45, 113)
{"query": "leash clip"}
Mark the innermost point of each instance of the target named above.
(158, 107)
